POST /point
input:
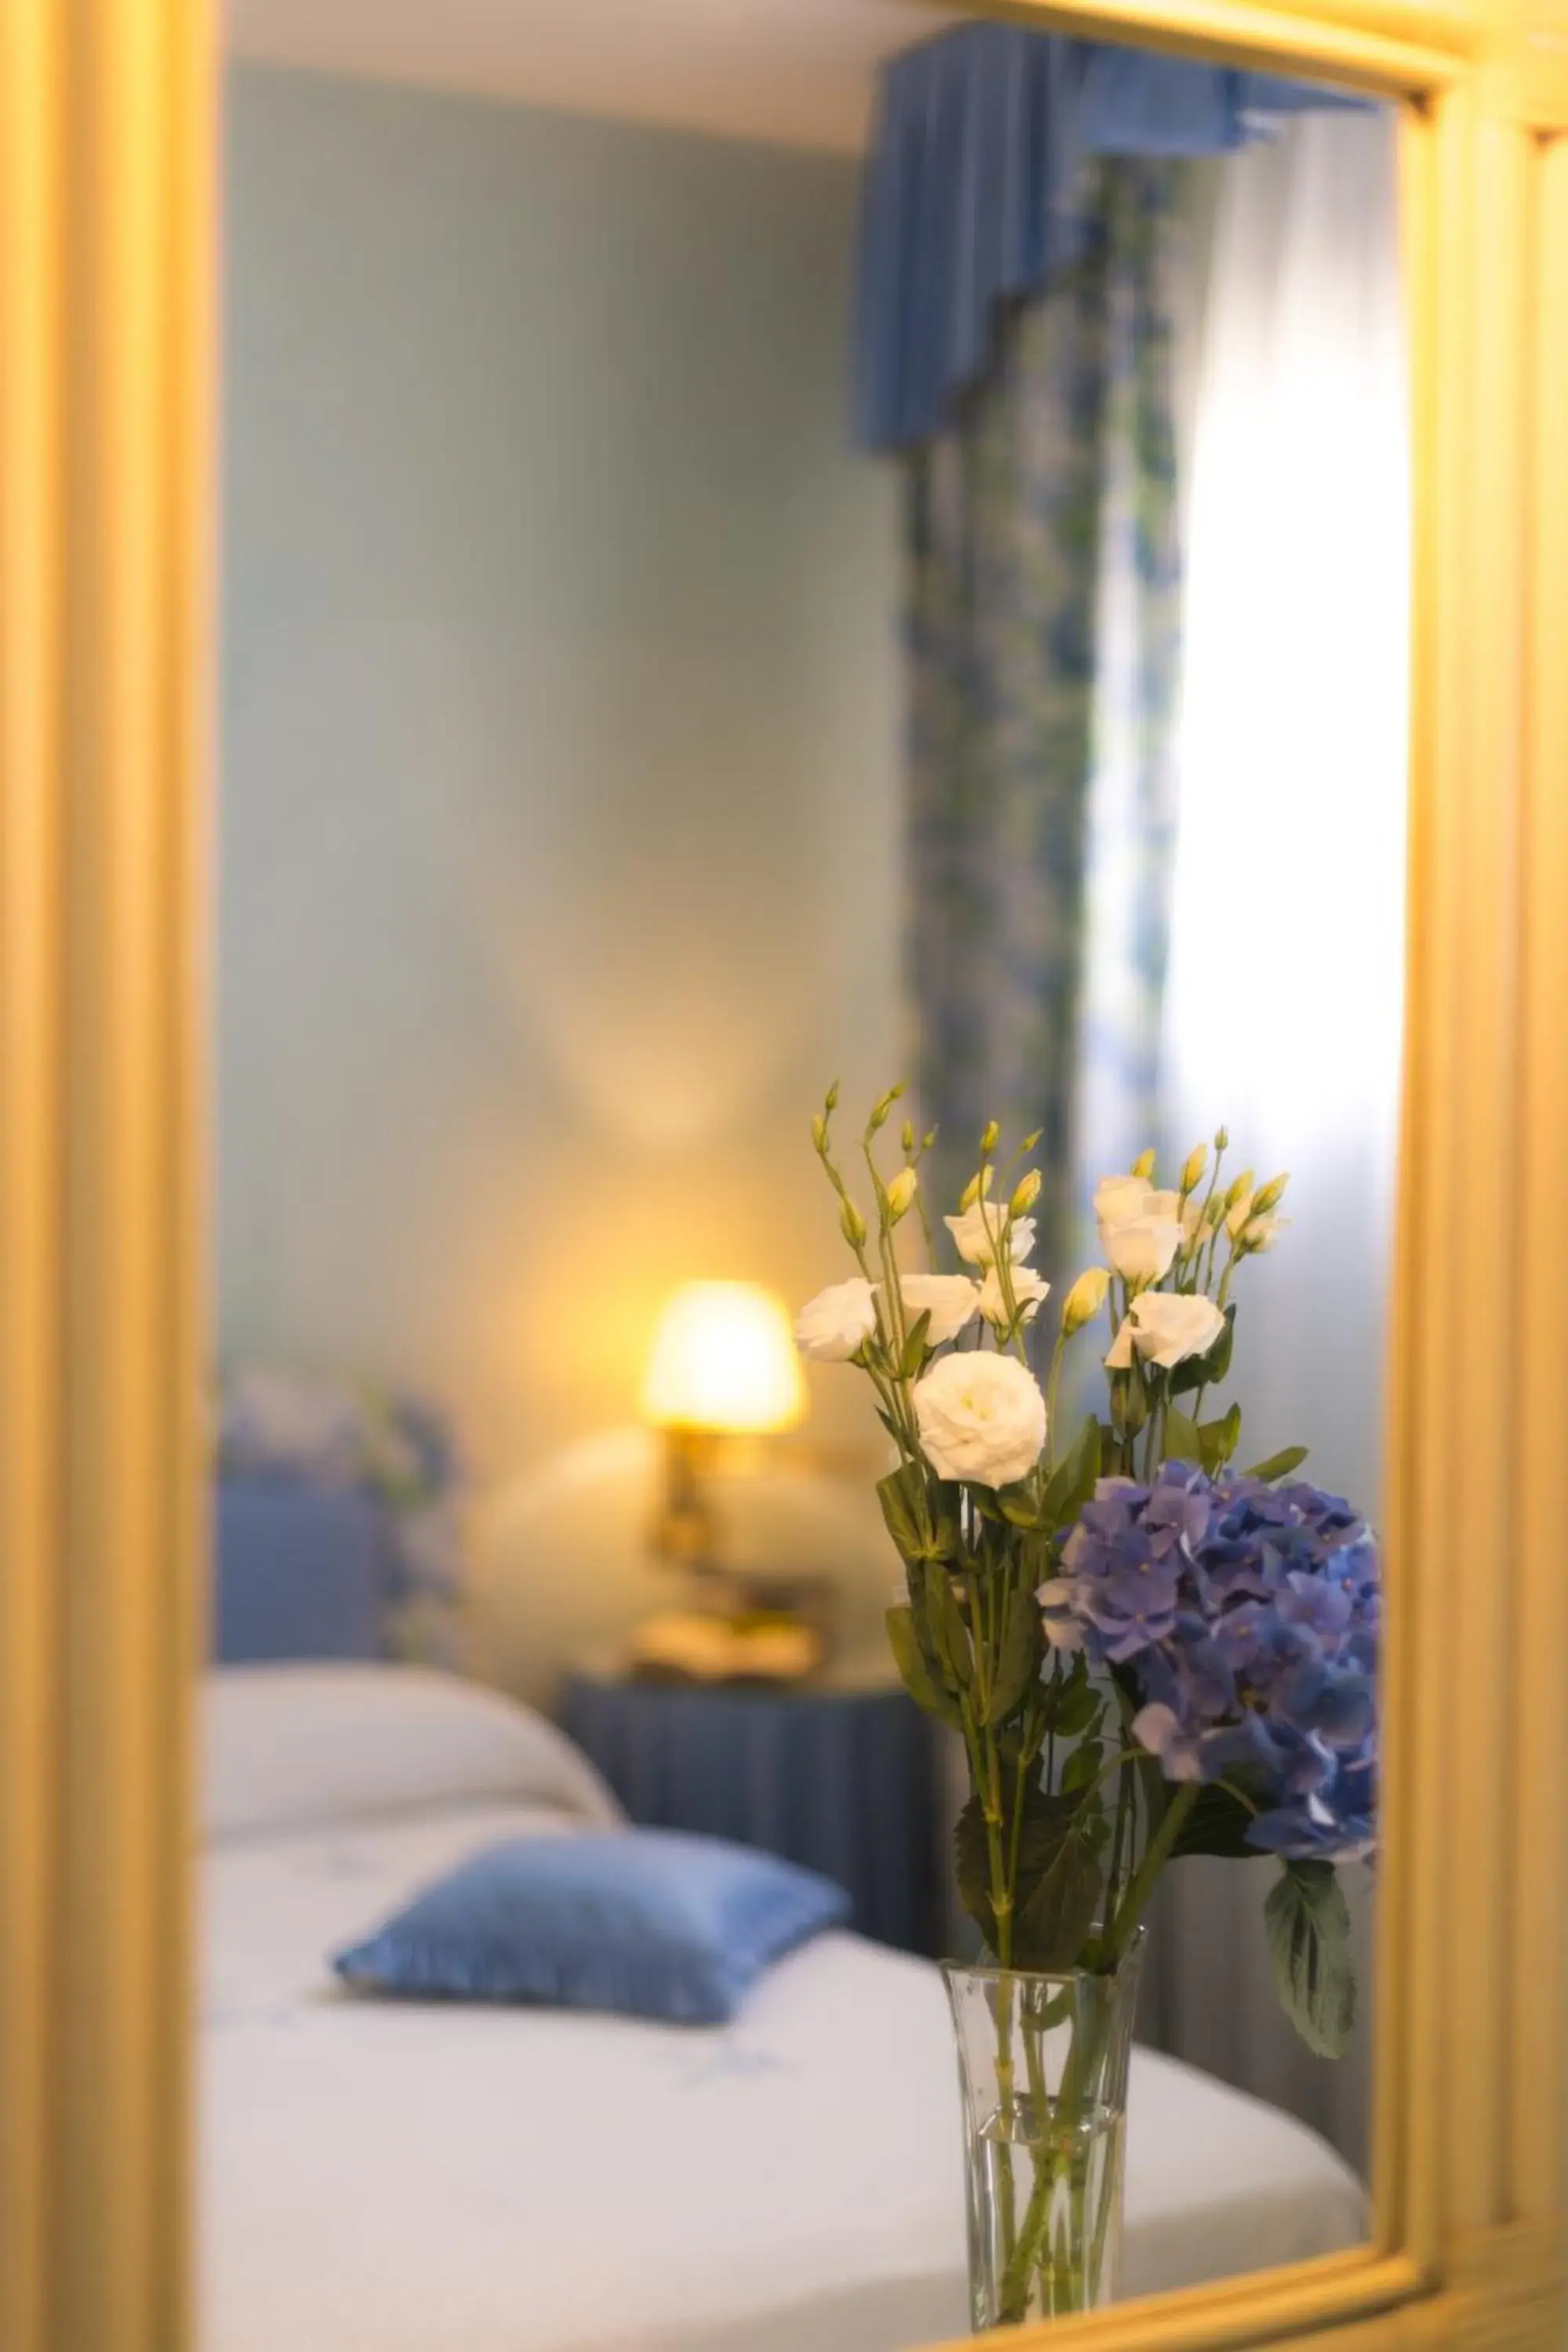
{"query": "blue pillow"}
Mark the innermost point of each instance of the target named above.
(642, 1921)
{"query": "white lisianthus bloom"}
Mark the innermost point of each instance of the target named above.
(838, 1320)
(1119, 1357)
(1118, 1198)
(981, 1417)
(976, 1233)
(1028, 1291)
(1168, 1326)
(1141, 1250)
(950, 1299)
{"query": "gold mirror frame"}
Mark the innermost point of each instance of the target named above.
(107, 134)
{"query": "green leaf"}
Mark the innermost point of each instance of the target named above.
(1073, 1480)
(1279, 1465)
(890, 1424)
(1082, 1767)
(1218, 1440)
(1078, 1703)
(937, 1673)
(943, 1497)
(1307, 1923)
(1183, 1440)
(1216, 1825)
(1018, 1658)
(1018, 1506)
(1057, 1904)
(892, 1492)
(949, 1626)
(913, 1671)
(1058, 1884)
(1201, 1371)
(915, 1344)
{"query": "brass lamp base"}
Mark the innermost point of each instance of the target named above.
(736, 1624)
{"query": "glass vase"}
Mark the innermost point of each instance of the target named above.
(1042, 2065)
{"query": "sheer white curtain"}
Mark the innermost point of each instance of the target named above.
(1283, 1005)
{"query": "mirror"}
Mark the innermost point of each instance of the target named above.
(658, 679)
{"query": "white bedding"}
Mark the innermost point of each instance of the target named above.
(380, 2176)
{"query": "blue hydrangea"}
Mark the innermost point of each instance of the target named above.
(1247, 1618)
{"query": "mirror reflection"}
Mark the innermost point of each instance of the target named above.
(809, 550)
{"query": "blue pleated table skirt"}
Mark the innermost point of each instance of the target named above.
(844, 1781)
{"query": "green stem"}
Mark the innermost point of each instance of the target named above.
(1156, 1854)
(1052, 1385)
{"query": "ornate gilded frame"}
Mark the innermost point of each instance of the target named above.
(108, 130)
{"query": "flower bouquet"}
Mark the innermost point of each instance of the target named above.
(1145, 1652)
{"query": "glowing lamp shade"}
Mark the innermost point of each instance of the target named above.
(724, 1358)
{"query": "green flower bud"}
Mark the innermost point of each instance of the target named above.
(977, 1188)
(1144, 1165)
(852, 1224)
(1031, 1140)
(990, 1138)
(1197, 1160)
(1268, 1196)
(1221, 1140)
(832, 1104)
(819, 1131)
(1084, 1300)
(900, 1194)
(1025, 1194)
(1240, 1189)
(928, 1141)
(907, 1138)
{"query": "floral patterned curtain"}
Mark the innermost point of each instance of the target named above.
(1043, 577)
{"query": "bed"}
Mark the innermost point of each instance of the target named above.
(388, 2177)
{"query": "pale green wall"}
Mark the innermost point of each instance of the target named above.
(558, 833)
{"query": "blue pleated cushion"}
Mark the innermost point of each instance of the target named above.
(647, 1922)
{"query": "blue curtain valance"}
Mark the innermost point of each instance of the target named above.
(968, 193)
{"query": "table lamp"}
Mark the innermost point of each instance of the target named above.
(723, 1367)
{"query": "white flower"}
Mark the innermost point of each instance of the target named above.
(1028, 1290)
(1166, 1326)
(1119, 1357)
(1117, 1199)
(1261, 1233)
(950, 1299)
(839, 1319)
(981, 1417)
(1141, 1250)
(975, 1234)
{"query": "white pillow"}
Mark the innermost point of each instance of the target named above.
(289, 1746)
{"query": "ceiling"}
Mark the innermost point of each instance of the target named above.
(795, 71)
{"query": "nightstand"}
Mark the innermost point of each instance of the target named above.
(839, 1775)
